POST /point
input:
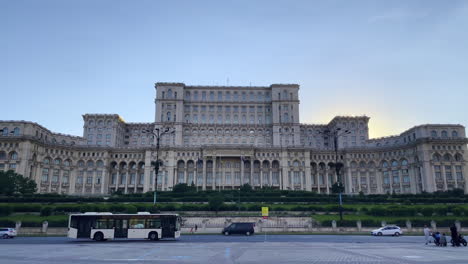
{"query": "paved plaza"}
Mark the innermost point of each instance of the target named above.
(236, 249)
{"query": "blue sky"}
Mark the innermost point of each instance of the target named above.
(402, 63)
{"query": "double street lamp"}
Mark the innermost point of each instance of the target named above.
(336, 133)
(157, 133)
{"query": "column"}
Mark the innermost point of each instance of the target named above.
(146, 182)
(251, 172)
(185, 172)
(242, 172)
(368, 182)
(412, 180)
(378, 180)
(214, 174)
(104, 181)
(204, 175)
(308, 184)
(442, 167)
(270, 172)
(465, 176)
(261, 174)
(71, 180)
(454, 173)
(327, 184)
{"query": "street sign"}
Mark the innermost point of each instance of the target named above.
(265, 212)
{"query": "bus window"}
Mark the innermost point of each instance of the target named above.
(74, 222)
(137, 223)
(102, 224)
(153, 223)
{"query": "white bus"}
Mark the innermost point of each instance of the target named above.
(103, 226)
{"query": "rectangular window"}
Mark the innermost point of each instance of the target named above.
(459, 172)
(153, 224)
(45, 175)
(123, 178)
(102, 224)
(142, 179)
(55, 176)
(396, 177)
(12, 166)
(438, 174)
(65, 176)
(386, 177)
(98, 177)
(448, 172)
(137, 224)
(114, 178)
(132, 178)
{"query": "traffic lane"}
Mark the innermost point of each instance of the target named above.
(226, 239)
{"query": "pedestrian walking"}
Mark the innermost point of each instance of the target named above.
(427, 234)
(196, 228)
(454, 235)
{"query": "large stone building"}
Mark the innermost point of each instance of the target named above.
(226, 136)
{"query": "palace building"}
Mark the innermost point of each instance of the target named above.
(221, 137)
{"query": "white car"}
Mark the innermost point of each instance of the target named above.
(7, 233)
(387, 231)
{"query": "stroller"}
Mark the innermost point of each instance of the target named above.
(461, 240)
(437, 241)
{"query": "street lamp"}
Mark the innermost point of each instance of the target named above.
(157, 134)
(338, 165)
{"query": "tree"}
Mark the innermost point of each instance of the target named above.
(246, 188)
(337, 188)
(13, 183)
(216, 202)
(183, 188)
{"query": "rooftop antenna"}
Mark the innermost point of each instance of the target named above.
(250, 84)
(227, 81)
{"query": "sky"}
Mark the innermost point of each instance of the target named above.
(402, 63)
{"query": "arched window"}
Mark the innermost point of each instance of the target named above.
(458, 157)
(433, 133)
(46, 161)
(16, 131)
(436, 157)
(100, 163)
(394, 163)
(353, 164)
(296, 164)
(385, 164)
(67, 163)
(169, 93)
(5, 131)
(454, 134)
(404, 162)
(444, 134)
(57, 161)
(447, 157)
(90, 163)
(13, 156)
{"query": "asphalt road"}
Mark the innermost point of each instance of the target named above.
(229, 239)
(218, 249)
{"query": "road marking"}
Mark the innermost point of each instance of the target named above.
(413, 257)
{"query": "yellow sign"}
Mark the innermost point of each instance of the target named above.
(264, 211)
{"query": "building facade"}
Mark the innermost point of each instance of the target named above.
(227, 136)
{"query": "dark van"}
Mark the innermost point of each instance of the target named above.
(239, 228)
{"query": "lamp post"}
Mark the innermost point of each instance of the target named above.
(157, 134)
(336, 133)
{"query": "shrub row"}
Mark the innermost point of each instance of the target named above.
(398, 222)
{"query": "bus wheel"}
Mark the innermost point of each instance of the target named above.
(153, 236)
(99, 236)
